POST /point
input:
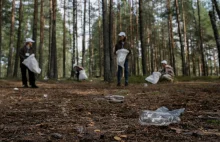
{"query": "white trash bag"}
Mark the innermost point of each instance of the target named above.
(82, 75)
(154, 78)
(121, 56)
(32, 64)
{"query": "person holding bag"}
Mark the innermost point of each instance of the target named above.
(122, 47)
(24, 53)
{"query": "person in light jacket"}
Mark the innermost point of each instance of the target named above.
(167, 72)
(24, 53)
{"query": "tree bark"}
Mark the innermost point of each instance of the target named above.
(143, 48)
(73, 62)
(110, 39)
(216, 7)
(18, 39)
(41, 36)
(84, 35)
(180, 39)
(50, 36)
(201, 41)
(107, 66)
(64, 40)
(216, 34)
(100, 43)
(35, 20)
(0, 36)
(53, 61)
(11, 43)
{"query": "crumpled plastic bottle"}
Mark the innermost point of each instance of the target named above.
(161, 117)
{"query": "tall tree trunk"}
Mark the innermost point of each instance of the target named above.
(119, 15)
(100, 43)
(110, 39)
(132, 63)
(216, 34)
(35, 20)
(77, 52)
(0, 37)
(137, 39)
(73, 62)
(11, 43)
(143, 48)
(185, 39)
(41, 35)
(216, 7)
(107, 66)
(201, 41)
(50, 36)
(84, 35)
(64, 40)
(53, 60)
(18, 39)
(180, 39)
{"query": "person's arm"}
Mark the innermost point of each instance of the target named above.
(115, 49)
(21, 53)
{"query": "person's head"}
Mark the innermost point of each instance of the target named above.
(164, 63)
(29, 42)
(122, 36)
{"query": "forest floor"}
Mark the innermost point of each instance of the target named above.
(65, 111)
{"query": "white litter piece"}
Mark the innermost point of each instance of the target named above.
(16, 89)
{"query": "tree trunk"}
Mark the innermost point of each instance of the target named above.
(107, 66)
(185, 39)
(110, 40)
(201, 41)
(84, 35)
(0, 36)
(41, 36)
(18, 39)
(64, 40)
(73, 62)
(143, 48)
(137, 39)
(11, 43)
(35, 20)
(216, 34)
(216, 7)
(180, 39)
(53, 61)
(100, 43)
(50, 36)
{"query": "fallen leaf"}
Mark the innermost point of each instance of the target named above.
(117, 138)
(123, 136)
(97, 130)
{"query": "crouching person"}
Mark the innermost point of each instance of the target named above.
(80, 72)
(166, 72)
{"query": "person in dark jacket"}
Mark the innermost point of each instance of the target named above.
(24, 53)
(122, 44)
(77, 69)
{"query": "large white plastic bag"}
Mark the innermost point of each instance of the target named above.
(154, 78)
(121, 56)
(82, 75)
(32, 64)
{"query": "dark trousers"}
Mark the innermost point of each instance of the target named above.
(24, 77)
(120, 69)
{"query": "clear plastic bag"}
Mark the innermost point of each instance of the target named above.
(115, 98)
(161, 117)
